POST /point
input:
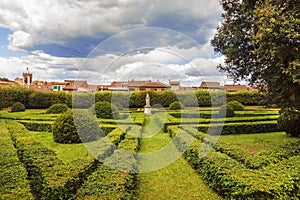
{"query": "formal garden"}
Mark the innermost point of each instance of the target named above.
(50, 151)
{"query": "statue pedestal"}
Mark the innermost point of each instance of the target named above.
(147, 111)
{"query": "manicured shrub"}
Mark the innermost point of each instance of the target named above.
(237, 106)
(118, 105)
(84, 129)
(40, 99)
(226, 111)
(105, 110)
(40, 126)
(176, 106)
(57, 108)
(247, 97)
(289, 121)
(17, 107)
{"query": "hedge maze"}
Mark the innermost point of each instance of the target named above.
(251, 160)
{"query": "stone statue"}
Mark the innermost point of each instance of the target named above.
(147, 101)
(147, 107)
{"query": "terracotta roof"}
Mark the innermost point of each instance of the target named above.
(210, 85)
(147, 84)
(233, 88)
(57, 83)
(174, 83)
(74, 85)
(118, 84)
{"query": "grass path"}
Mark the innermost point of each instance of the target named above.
(176, 181)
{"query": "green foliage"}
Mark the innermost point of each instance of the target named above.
(130, 143)
(4, 79)
(176, 106)
(57, 108)
(83, 129)
(40, 126)
(104, 183)
(82, 100)
(239, 128)
(40, 100)
(289, 121)
(118, 105)
(13, 182)
(259, 39)
(226, 111)
(237, 106)
(11, 95)
(116, 136)
(261, 159)
(49, 177)
(105, 110)
(234, 180)
(17, 107)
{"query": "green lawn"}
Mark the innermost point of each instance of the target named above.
(176, 181)
(65, 152)
(254, 143)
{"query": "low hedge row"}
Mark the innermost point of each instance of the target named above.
(116, 136)
(131, 141)
(261, 159)
(40, 126)
(214, 115)
(13, 181)
(104, 183)
(233, 181)
(240, 128)
(49, 177)
(116, 177)
(251, 161)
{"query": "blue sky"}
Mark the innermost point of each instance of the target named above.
(59, 40)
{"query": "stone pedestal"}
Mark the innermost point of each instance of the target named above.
(147, 111)
(147, 107)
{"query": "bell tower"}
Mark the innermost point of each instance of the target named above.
(27, 78)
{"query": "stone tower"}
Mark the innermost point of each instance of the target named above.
(27, 78)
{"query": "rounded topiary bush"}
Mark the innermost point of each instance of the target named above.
(84, 129)
(289, 121)
(57, 108)
(237, 106)
(17, 107)
(226, 111)
(105, 110)
(176, 105)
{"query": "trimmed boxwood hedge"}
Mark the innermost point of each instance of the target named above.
(233, 181)
(237, 106)
(40, 126)
(49, 177)
(57, 108)
(17, 107)
(240, 128)
(13, 181)
(176, 105)
(105, 110)
(226, 111)
(84, 129)
(34, 99)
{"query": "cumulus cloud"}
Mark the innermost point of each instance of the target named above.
(102, 41)
(100, 70)
(38, 23)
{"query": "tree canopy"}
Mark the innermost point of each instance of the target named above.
(261, 42)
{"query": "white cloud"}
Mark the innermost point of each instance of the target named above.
(42, 22)
(97, 70)
(38, 25)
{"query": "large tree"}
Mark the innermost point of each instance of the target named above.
(261, 43)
